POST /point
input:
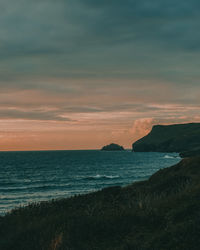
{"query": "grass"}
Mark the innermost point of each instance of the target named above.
(158, 214)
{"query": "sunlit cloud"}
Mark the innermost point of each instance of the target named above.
(83, 73)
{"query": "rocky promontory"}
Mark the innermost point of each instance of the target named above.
(112, 147)
(170, 138)
(191, 153)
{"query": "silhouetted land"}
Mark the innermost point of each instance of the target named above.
(112, 147)
(170, 138)
(158, 214)
(190, 153)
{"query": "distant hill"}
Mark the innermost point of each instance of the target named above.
(112, 147)
(162, 213)
(170, 138)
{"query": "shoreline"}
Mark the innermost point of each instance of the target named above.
(94, 178)
(118, 217)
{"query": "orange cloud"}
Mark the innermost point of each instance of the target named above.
(142, 126)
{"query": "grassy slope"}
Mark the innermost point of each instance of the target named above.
(161, 213)
(170, 138)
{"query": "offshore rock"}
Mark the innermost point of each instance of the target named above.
(112, 147)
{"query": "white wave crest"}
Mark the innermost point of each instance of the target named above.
(99, 176)
(170, 157)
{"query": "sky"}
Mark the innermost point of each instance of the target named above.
(79, 74)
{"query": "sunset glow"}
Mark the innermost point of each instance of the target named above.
(79, 75)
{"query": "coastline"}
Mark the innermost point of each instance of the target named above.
(142, 216)
(42, 176)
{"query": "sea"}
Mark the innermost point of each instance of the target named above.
(35, 176)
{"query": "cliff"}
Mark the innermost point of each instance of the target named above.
(162, 213)
(170, 138)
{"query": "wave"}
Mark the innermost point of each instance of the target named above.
(100, 177)
(32, 188)
(170, 157)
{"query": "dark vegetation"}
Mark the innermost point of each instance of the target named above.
(112, 147)
(170, 138)
(190, 153)
(158, 214)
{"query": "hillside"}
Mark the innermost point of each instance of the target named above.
(170, 138)
(162, 213)
(190, 153)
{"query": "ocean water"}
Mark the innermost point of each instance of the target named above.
(27, 177)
